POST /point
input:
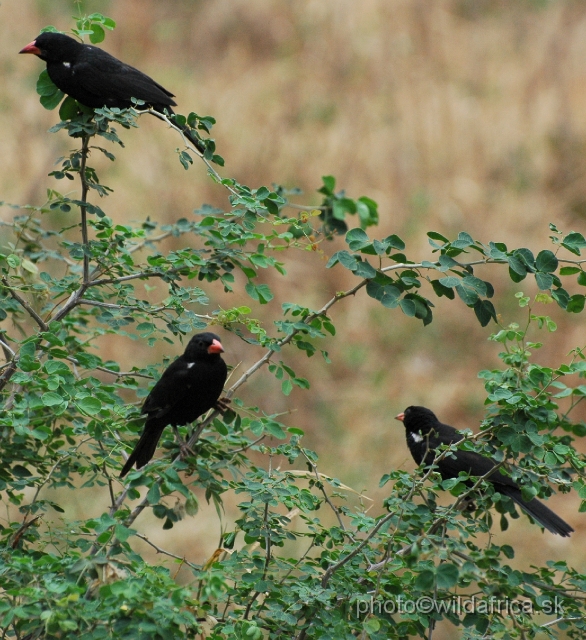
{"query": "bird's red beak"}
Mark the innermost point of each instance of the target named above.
(31, 48)
(400, 417)
(216, 347)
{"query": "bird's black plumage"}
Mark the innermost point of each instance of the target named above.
(97, 79)
(425, 434)
(189, 387)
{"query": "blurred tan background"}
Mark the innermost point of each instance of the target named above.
(452, 114)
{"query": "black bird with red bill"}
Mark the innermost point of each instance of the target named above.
(97, 79)
(425, 435)
(189, 386)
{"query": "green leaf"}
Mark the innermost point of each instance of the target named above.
(517, 266)
(450, 281)
(441, 290)
(275, 429)
(546, 261)
(544, 281)
(286, 386)
(371, 625)
(464, 240)
(467, 294)
(365, 270)
(154, 494)
(50, 102)
(346, 259)
(191, 505)
(388, 295)
(447, 576)
(45, 86)
(53, 367)
(329, 185)
(122, 533)
(573, 242)
(437, 236)
(68, 109)
(408, 307)
(357, 239)
(425, 581)
(261, 293)
(485, 311)
(576, 303)
(570, 271)
(51, 399)
(89, 405)
(97, 35)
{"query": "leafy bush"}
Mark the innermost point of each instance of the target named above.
(70, 416)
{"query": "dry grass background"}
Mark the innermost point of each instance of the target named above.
(452, 114)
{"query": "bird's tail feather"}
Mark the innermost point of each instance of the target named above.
(539, 512)
(143, 451)
(187, 132)
(195, 141)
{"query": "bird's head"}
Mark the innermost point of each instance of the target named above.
(53, 47)
(203, 345)
(418, 419)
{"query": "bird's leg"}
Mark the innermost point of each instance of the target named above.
(467, 505)
(222, 405)
(185, 451)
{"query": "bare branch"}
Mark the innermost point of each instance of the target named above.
(118, 374)
(167, 553)
(140, 245)
(8, 352)
(110, 305)
(133, 276)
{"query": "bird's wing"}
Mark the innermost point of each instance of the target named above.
(107, 77)
(178, 380)
(467, 461)
(199, 383)
(471, 462)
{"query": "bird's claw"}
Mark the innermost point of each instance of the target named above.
(185, 451)
(222, 405)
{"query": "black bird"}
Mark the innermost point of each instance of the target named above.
(425, 434)
(188, 388)
(96, 79)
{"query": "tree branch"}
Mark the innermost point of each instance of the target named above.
(25, 305)
(83, 209)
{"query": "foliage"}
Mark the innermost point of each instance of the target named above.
(70, 416)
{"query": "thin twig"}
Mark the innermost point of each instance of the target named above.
(8, 352)
(268, 547)
(167, 553)
(110, 305)
(83, 208)
(233, 452)
(25, 305)
(558, 620)
(320, 486)
(331, 570)
(133, 276)
(140, 245)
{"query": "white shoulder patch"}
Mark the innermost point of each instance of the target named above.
(416, 437)
(67, 64)
(190, 364)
